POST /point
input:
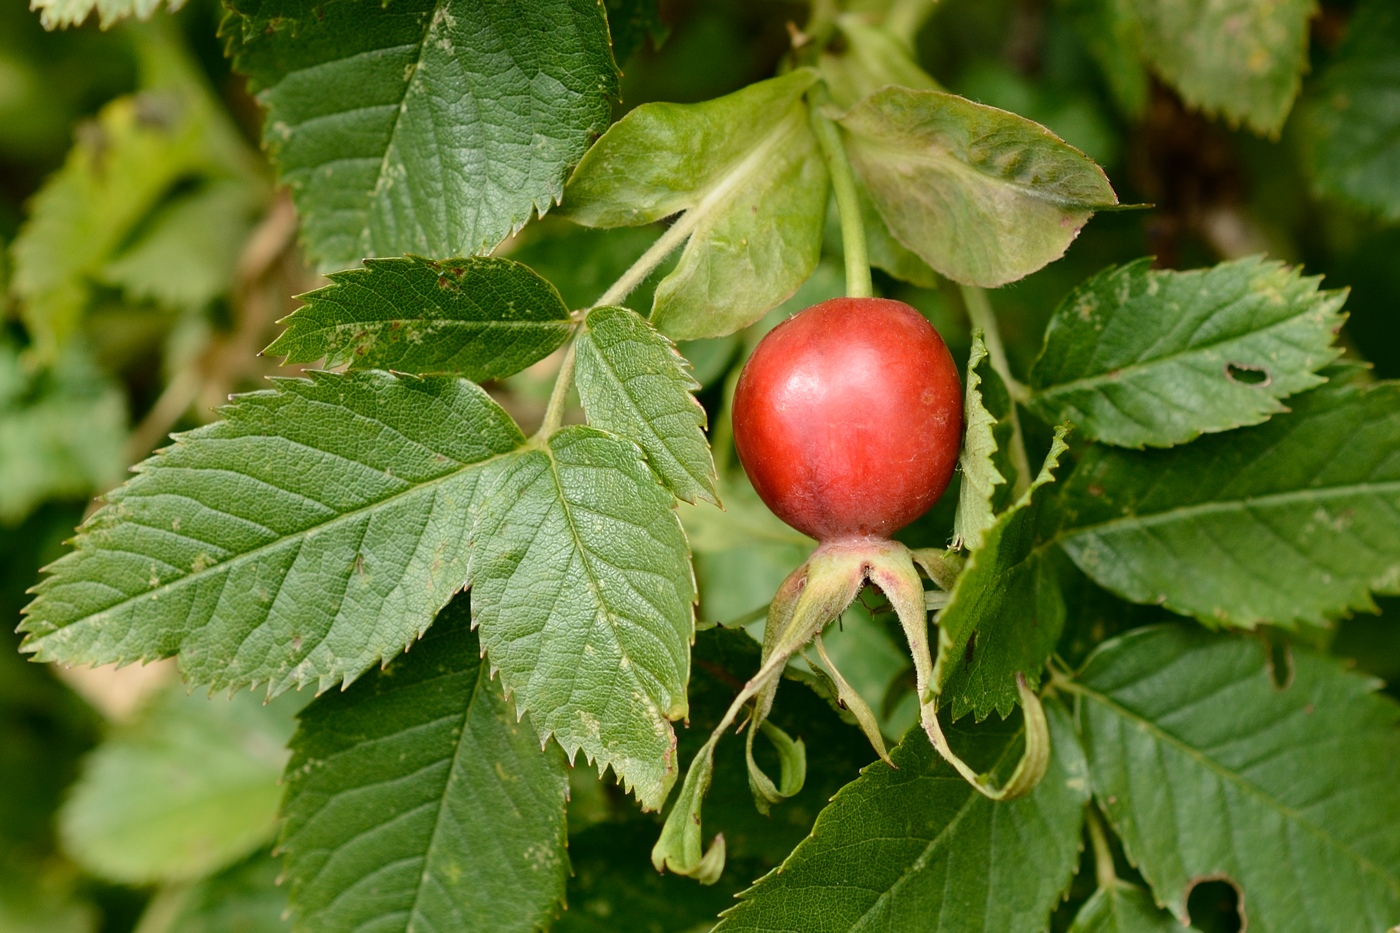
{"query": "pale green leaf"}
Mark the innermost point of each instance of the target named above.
(1124, 908)
(479, 318)
(188, 788)
(1352, 126)
(886, 252)
(867, 58)
(917, 848)
(1295, 520)
(1209, 769)
(985, 460)
(243, 899)
(583, 592)
(61, 431)
(1005, 612)
(309, 536)
(632, 382)
(418, 800)
(59, 14)
(749, 176)
(983, 196)
(1240, 58)
(433, 127)
(1138, 357)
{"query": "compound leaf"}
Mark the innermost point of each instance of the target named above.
(188, 788)
(632, 382)
(1005, 612)
(583, 592)
(1137, 357)
(1207, 768)
(985, 460)
(433, 126)
(747, 172)
(983, 196)
(1352, 123)
(417, 799)
(1124, 908)
(1295, 520)
(478, 317)
(309, 536)
(916, 848)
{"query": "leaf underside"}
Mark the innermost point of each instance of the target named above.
(985, 461)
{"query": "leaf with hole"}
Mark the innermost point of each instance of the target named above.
(1208, 769)
(1139, 357)
(476, 317)
(746, 171)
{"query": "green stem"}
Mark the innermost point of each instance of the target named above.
(979, 312)
(843, 182)
(554, 413)
(1104, 871)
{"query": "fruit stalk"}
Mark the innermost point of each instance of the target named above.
(843, 183)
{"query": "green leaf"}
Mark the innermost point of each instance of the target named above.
(983, 196)
(1113, 35)
(1296, 520)
(1352, 123)
(417, 799)
(1005, 612)
(309, 536)
(1240, 58)
(632, 382)
(747, 172)
(1124, 908)
(583, 592)
(868, 59)
(917, 848)
(187, 789)
(985, 460)
(60, 14)
(243, 899)
(1208, 769)
(61, 432)
(478, 317)
(1137, 357)
(435, 127)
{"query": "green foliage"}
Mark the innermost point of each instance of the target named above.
(418, 799)
(1280, 780)
(1005, 613)
(869, 58)
(1296, 520)
(312, 534)
(243, 899)
(748, 174)
(987, 472)
(1353, 121)
(479, 318)
(632, 382)
(582, 588)
(915, 847)
(983, 196)
(188, 788)
(58, 14)
(431, 128)
(1124, 908)
(1137, 357)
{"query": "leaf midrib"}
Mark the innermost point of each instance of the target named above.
(1190, 751)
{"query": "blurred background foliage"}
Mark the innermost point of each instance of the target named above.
(147, 255)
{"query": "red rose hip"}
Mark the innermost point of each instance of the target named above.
(848, 418)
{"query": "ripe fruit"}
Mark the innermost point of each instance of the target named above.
(848, 418)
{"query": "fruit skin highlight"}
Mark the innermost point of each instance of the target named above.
(848, 418)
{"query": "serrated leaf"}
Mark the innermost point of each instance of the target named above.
(187, 789)
(917, 848)
(477, 317)
(1296, 520)
(868, 59)
(747, 172)
(983, 196)
(1352, 123)
(1124, 908)
(985, 460)
(632, 382)
(311, 535)
(436, 127)
(583, 592)
(1289, 792)
(60, 14)
(61, 432)
(1139, 357)
(1005, 612)
(418, 800)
